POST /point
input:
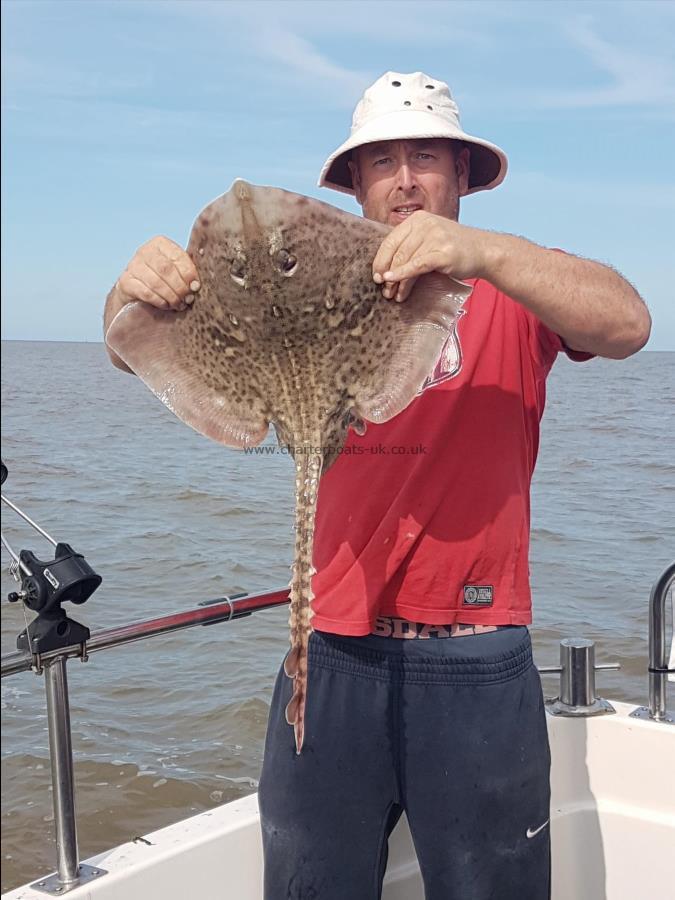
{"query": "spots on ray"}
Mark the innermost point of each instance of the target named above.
(218, 335)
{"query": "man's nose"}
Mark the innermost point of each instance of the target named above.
(406, 181)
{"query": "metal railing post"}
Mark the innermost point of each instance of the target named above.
(61, 754)
(658, 661)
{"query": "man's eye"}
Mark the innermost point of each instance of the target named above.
(381, 161)
(424, 156)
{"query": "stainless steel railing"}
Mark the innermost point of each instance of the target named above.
(658, 661)
(221, 610)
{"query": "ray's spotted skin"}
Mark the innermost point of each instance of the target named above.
(288, 328)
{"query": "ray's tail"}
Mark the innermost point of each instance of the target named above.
(308, 463)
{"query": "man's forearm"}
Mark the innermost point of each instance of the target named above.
(589, 305)
(113, 305)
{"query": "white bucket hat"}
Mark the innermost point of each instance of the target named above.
(403, 107)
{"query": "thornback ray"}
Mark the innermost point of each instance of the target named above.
(288, 328)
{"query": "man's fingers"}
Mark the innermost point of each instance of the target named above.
(136, 289)
(405, 248)
(169, 271)
(183, 264)
(408, 270)
(151, 279)
(419, 264)
(162, 248)
(159, 283)
(399, 289)
(404, 289)
(395, 290)
(169, 248)
(388, 247)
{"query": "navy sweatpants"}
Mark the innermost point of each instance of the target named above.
(451, 730)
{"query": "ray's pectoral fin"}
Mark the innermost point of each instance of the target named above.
(295, 666)
(152, 343)
(419, 328)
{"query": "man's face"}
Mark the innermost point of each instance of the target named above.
(395, 178)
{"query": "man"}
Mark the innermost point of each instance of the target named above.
(423, 693)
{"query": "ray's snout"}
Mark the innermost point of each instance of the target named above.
(241, 189)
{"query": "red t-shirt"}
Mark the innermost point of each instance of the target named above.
(427, 517)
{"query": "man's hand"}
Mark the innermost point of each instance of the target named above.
(160, 273)
(428, 243)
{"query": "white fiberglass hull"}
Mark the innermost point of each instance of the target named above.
(612, 829)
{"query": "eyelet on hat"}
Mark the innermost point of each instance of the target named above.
(379, 116)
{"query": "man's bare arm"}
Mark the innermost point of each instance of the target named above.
(588, 304)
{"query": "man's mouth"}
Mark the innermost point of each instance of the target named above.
(407, 209)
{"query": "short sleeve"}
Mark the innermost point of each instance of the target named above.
(575, 355)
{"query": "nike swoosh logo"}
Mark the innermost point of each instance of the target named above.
(531, 832)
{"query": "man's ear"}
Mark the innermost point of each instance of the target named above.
(356, 180)
(462, 167)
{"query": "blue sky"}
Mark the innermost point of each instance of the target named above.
(121, 120)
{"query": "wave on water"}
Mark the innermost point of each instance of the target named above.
(658, 467)
(201, 496)
(544, 534)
